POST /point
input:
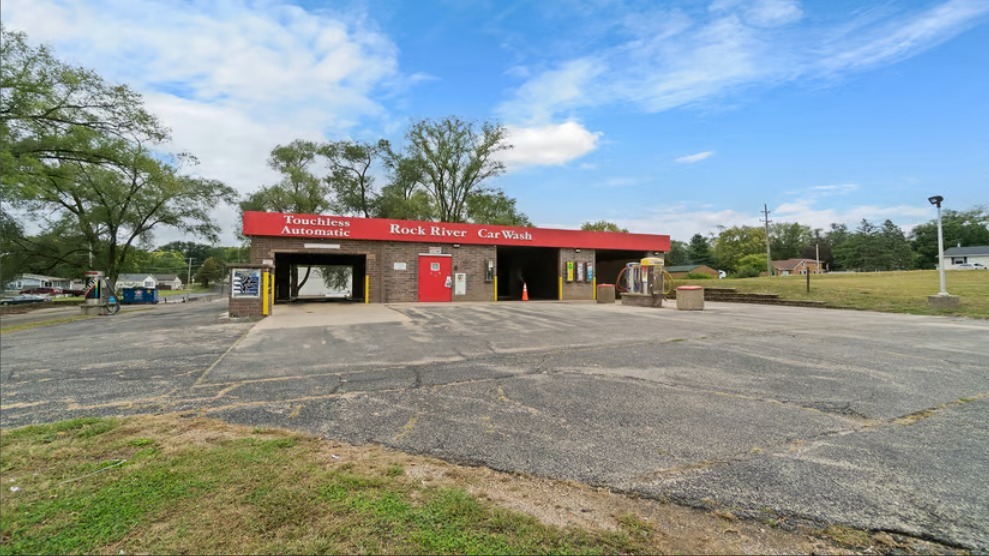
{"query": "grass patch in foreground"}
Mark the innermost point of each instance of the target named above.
(171, 485)
(894, 292)
(41, 323)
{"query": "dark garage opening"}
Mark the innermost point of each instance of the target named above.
(287, 263)
(609, 263)
(535, 265)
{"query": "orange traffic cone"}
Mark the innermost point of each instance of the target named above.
(525, 292)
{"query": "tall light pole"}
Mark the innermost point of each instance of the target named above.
(942, 299)
(769, 257)
(936, 200)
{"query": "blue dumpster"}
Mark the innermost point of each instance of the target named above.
(136, 296)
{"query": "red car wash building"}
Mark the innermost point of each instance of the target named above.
(402, 261)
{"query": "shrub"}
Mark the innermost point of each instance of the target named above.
(746, 272)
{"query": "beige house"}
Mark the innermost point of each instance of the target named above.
(795, 266)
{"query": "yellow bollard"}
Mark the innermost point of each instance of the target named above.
(495, 289)
(367, 288)
(264, 293)
(561, 289)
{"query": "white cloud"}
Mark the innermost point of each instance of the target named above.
(835, 189)
(765, 13)
(231, 79)
(693, 158)
(899, 39)
(683, 220)
(553, 91)
(738, 44)
(551, 144)
(804, 212)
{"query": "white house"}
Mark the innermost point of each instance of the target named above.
(157, 281)
(136, 281)
(959, 258)
(28, 281)
(169, 282)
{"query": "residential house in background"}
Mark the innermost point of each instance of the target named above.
(155, 281)
(29, 281)
(961, 258)
(795, 266)
(681, 271)
(169, 282)
(136, 281)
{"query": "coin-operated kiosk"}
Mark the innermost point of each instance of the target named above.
(652, 274)
(94, 299)
(644, 283)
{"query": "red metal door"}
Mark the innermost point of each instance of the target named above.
(435, 278)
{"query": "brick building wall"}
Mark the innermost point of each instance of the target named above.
(575, 290)
(388, 284)
(250, 307)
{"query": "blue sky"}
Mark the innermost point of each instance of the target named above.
(665, 117)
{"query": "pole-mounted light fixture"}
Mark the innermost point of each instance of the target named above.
(936, 200)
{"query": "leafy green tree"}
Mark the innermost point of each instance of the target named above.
(451, 159)
(967, 228)
(350, 174)
(836, 236)
(303, 189)
(872, 248)
(734, 243)
(13, 258)
(494, 207)
(210, 271)
(602, 226)
(751, 265)
(788, 239)
(699, 250)
(198, 252)
(235, 254)
(678, 253)
(403, 203)
(858, 249)
(51, 112)
(819, 246)
(81, 157)
(894, 248)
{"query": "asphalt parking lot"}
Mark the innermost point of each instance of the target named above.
(872, 420)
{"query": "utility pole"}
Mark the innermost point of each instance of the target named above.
(188, 281)
(769, 258)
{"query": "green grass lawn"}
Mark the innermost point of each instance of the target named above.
(95, 485)
(897, 292)
(178, 484)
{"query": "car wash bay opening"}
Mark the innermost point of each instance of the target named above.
(380, 260)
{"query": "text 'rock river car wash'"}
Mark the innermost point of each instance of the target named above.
(386, 261)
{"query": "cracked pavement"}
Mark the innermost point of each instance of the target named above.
(871, 420)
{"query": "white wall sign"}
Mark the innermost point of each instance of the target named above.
(321, 245)
(401, 266)
(435, 250)
(460, 283)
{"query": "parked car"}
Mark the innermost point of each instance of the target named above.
(73, 292)
(971, 266)
(22, 299)
(43, 291)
